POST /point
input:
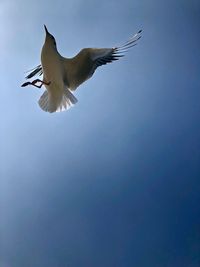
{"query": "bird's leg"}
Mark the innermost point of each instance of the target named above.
(42, 82)
(34, 83)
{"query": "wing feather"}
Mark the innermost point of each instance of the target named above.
(35, 71)
(103, 56)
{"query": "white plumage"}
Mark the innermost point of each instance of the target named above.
(63, 75)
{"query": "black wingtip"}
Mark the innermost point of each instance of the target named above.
(25, 84)
(140, 31)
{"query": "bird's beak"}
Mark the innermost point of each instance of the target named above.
(46, 29)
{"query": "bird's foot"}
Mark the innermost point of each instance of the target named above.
(34, 83)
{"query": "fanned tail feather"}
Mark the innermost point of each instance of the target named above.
(68, 100)
(47, 103)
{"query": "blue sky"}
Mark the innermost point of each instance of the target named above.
(114, 181)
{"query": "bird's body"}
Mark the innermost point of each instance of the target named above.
(53, 70)
(63, 75)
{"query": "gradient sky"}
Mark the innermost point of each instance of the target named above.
(114, 181)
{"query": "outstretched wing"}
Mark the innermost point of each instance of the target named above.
(81, 67)
(103, 56)
(35, 71)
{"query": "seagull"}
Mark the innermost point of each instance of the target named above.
(62, 76)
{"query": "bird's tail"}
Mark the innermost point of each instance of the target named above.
(51, 103)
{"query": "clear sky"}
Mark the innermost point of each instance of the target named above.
(114, 181)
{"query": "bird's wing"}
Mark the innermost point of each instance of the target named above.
(83, 65)
(103, 56)
(35, 71)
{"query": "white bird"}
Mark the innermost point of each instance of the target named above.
(63, 75)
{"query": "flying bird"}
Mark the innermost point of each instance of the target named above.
(62, 76)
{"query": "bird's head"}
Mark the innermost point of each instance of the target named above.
(50, 40)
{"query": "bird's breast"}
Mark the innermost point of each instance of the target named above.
(52, 67)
